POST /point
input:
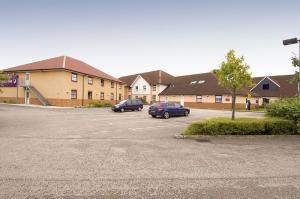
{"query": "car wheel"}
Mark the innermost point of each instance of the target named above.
(154, 116)
(166, 115)
(122, 110)
(139, 109)
(186, 113)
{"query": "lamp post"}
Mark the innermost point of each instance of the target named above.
(289, 42)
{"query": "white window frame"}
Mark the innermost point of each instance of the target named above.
(199, 98)
(72, 94)
(90, 80)
(112, 96)
(144, 88)
(74, 77)
(102, 95)
(219, 97)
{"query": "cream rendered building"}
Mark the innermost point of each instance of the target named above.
(62, 81)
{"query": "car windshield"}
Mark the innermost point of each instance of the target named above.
(122, 102)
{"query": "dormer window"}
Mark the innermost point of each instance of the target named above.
(193, 82)
(266, 86)
(201, 82)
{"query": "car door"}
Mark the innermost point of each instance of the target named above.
(171, 108)
(179, 110)
(128, 105)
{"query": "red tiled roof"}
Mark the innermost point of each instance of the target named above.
(66, 63)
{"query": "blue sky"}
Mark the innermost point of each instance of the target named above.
(123, 37)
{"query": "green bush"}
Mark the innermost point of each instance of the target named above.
(288, 108)
(241, 126)
(99, 104)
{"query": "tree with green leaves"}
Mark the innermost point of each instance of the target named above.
(233, 75)
(296, 63)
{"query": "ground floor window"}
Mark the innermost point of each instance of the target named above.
(144, 97)
(199, 98)
(136, 97)
(218, 99)
(101, 96)
(112, 96)
(153, 97)
(90, 95)
(73, 94)
(120, 96)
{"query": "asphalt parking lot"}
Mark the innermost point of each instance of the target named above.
(95, 153)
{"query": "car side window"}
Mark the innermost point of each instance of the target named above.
(171, 104)
(128, 102)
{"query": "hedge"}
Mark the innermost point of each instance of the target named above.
(242, 126)
(288, 108)
(99, 104)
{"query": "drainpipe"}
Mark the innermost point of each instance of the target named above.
(17, 101)
(116, 92)
(82, 101)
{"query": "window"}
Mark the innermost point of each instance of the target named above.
(136, 97)
(153, 97)
(129, 89)
(144, 97)
(129, 96)
(90, 80)
(153, 88)
(112, 84)
(90, 95)
(101, 96)
(73, 94)
(218, 99)
(102, 82)
(112, 96)
(74, 77)
(120, 86)
(193, 82)
(199, 98)
(266, 86)
(144, 88)
(120, 96)
(136, 88)
(201, 81)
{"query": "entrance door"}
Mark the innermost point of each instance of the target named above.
(27, 79)
(27, 97)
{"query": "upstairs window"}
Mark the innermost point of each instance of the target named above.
(120, 86)
(266, 86)
(136, 88)
(199, 98)
(218, 99)
(144, 88)
(112, 84)
(90, 80)
(102, 82)
(153, 88)
(74, 77)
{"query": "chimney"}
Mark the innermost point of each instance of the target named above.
(159, 77)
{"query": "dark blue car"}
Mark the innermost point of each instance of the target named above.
(168, 109)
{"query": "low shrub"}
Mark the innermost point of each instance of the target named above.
(242, 126)
(288, 108)
(99, 104)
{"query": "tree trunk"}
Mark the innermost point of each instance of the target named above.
(233, 104)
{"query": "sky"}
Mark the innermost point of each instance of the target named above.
(123, 37)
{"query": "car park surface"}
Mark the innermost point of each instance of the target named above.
(96, 153)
